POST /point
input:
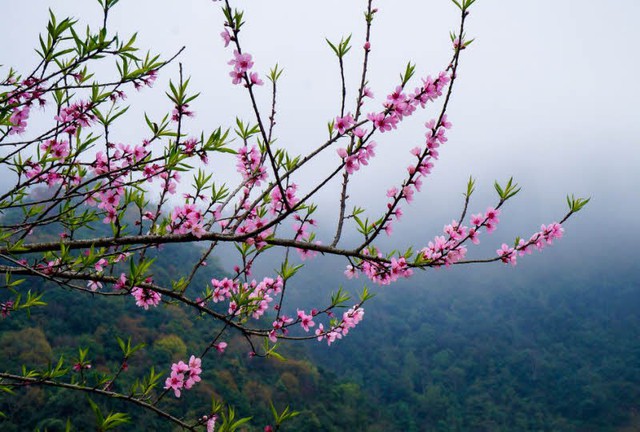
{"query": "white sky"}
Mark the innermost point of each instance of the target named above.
(547, 93)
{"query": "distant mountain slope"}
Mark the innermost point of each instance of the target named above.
(492, 349)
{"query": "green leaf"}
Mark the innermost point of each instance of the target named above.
(471, 187)
(576, 204)
(408, 73)
(510, 190)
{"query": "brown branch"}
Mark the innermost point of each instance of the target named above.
(111, 394)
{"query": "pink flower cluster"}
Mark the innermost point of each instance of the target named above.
(380, 273)
(280, 325)
(220, 347)
(249, 165)
(259, 294)
(301, 233)
(21, 101)
(538, 240)
(76, 115)
(400, 105)
(94, 285)
(147, 80)
(145, 297)
(435, 137)
(121, 283)
(444, 251)
(186, 219)
(306, 254)
(353, 161)
(117, 164)
(6, 308)
(252, 224)
(211, 423)
(18, 119)
(306, 321)
(122, 158)
(180, 111)
(383, 273)
(79, 366)
(344, 123)
(57, 149)
(226, 37)
(278, 204)
(350, 319)
(449, 249)
(51, 267)
(170, 180)
(190, 148)
(242, 63)
(109, 200)
(184, 376)
(300, 226)
(223, 289)
(33, 171)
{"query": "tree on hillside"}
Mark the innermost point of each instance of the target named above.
(84, 213)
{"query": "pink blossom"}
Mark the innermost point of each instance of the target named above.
(383, 122)
(241, 62)
(236, 76)
(99, 266)
(255, 79)
(306, 321)
(193, 372)
(473, 236)
(226, 37)
(76, 115)
(19, 120)
(308, 253)
(6, 308)
(280, 203)
(175, 381)
(477, 219)
(180, 111)
(94, 285)
(211, 423)
(195, 365)
(445, 123)
(150, 78)
(57, 149)
(77, 367)
(343, 123)
(249, 165)
(492, 215)
(121, 283)
(350, 319)
(145, 297)
(507, 254)
(33, 171)
(359, 132)
(351, 272)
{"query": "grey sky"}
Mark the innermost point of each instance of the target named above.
(547, 93)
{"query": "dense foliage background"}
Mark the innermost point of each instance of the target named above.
(476, 350)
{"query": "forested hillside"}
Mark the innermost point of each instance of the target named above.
(90, 321)
(478, 350)
(503, 351)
